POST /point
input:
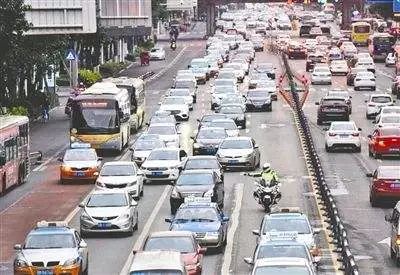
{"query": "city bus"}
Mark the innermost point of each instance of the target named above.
(380, 44)
(360, 31)
(101, 117)
(136, 90)
(14, 151)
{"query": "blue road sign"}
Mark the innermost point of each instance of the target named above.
(71, 55)
(396, 6)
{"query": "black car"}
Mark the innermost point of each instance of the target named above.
(197, 183)
(207, 140)
(314, 58)
(305, 30)
(332, 108)
(258, 100)
(296, 50)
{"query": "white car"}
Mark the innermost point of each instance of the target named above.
(200, 69)
(185, 74)
(388, 120)
(177, 106)
(367, 63)
(362, 56)
(121, 175)
(343, 134)
(238, 69)
(390, 60)
(364, 80)
(163, 164)
(220, 93)
(375, 102)
(321, 75)
(310, 45)
(348, 50)
(228, 124)
(388, 110)
(339, 67)
(108, 211)
(167, 132)
(142, 148)
(157, 53)
(282, 265)
(184, 93)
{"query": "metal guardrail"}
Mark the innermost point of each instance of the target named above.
(331, 212)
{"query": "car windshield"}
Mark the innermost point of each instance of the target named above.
(162, 119)
(231, 110)
(162, 130)
(389, 172)
(80, 155)
(146, 145)
(332, 101)
(184, 84)
(118, 170)
(51, 240)
(180, 244)
(228, 125)
(180, 93)
(264, 67)
(156, 272)
(342, 126)
(225, 90)
(163, 155)
(226, 75)
(234, 66)
(232, 100)
(199, 64)
(339, 94)
(282, 270)
(388, 110)
(196, 213)
(236, 144)
(321, 70)
(174, 100)
(224, 82)
(257, 94)
(381, 99)
(273, 251)
(211, 134)
(208, 118)
(282, 224)
(107, 200)
(390, 119)
(195, 179)
(208, 163)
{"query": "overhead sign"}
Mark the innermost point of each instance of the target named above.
(396, 6)
(379, 1)
(70, 55)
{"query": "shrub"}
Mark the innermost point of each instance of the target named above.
(89, 77)
(110, 69)
(18, 111)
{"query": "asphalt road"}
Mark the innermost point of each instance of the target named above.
(345, 173)
(275, 133)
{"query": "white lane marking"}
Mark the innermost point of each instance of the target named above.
(139, 241)
(172, 63)
(40, 168)
(385, 241)
(226, 263)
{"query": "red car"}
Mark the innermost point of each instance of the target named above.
(183, 241)
(385, 184)
(384, 141)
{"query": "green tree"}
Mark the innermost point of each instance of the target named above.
(384, 10)
(159, 11)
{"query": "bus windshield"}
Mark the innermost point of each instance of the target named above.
(387, 40)
(362, 29)
(99, 117)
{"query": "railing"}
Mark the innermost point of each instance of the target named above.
(331, 212)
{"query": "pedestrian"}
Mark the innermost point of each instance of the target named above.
(45, 108)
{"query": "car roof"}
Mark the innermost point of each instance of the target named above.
(156, 260)
(333, 97)
(197, 171)
(163, 124)
(108, 191)
(203, 128)
(201, 157)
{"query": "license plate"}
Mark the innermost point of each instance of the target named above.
(233, 161)
(80, 174)
(394, 149)
(104, 225)
(344, 136)
(210, 150)
(45, 272)
(156, 173)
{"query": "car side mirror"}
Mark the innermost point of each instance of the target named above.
(82, 244)
(369, 175)
(100, 158)
(389, 218)
(60, 159)
(359, 129)
(81, 205)
(225, 219)
(134, 203)
(369, 136)
(248, 261)
(17, 247)
(256, 232)
(256, 146)
(168, 220)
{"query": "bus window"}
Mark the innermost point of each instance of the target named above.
(2, 155)
(362, 29)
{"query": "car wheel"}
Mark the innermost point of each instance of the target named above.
(370, 154)
(377, 156)
(327, 148)
(373, 88)
(398, 262)
(368, 116)
(83, 234)
(319, 122)
(86, 272)
(356, 88)
(372, 201)
(270, 108)
(358, 149)
(137, 223)
(141, 192)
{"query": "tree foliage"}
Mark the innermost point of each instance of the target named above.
(159, 11)
(384, 10)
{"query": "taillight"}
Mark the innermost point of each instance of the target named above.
(355, 134)
(381, 143)
(332, 134)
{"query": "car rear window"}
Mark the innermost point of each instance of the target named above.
(389, 132)
(389, 172)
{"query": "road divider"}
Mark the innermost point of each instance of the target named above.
(324, 195)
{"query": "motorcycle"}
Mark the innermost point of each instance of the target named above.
(268, 195)
(173, 45)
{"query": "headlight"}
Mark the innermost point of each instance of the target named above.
(100, 184)
(175, 194)
(65, 168)
(71, 262)
(20, 263)
(196, 145)
(125, 216)
(248, 155)
(209, 193)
